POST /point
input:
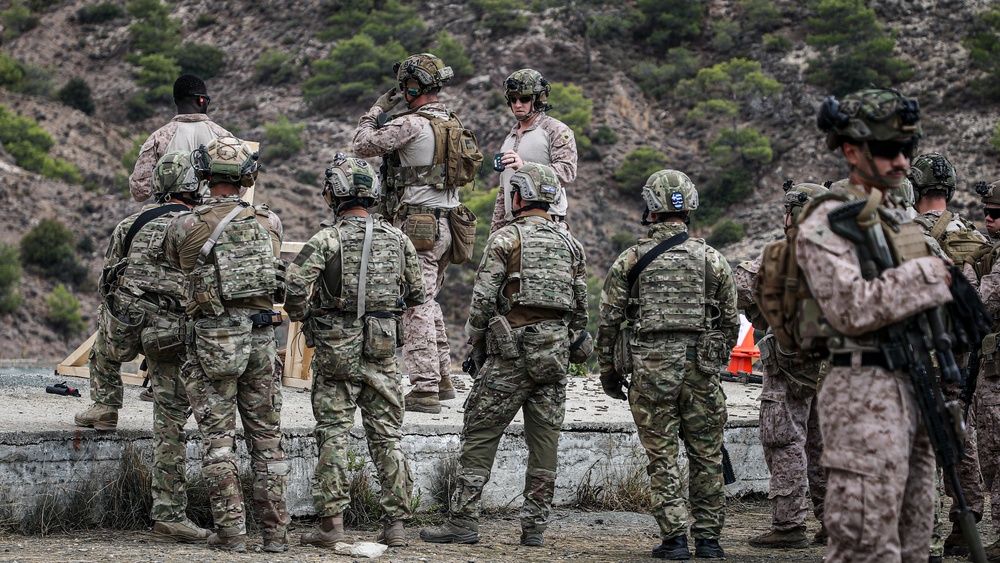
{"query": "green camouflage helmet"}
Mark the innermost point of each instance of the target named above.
(933, 172)
(798, 195)
(174, 174)
(350, 178)
(227, 159)
(427, 69)
(877, 114)
(536, 182)
(527, 82)
(989, 193)
(669, 191)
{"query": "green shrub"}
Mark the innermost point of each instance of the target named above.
(99, 13)
(29, 144)
(37, 81)
(452, 52)
(48, 250)
(725, 34)
(623, 241)
(658, 80)
(391, 21)
(760, 16)
(356, 69)
(203, 61)
(777, 43)
(605, 136)
(154, 31)
(10, 279)
(17, 19)
(746, 147)
(667, 23)
(502, 17)
(983, 43)
(725, 189)
(138, 109)
(726, 232)
(157, 76)
(307, 177)
(282, 139)
(570, 107)
(737, 80)
(275, 67)
(205, 20)
(12, 72)
(76, 94)
(64, 312)
(131, 155)
(605, 27)
(637, 167)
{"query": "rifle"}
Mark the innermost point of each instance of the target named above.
(910, 344)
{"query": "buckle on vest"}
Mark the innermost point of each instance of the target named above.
(266, 318)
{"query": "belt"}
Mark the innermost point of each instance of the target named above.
(843, 359)
(407, 209)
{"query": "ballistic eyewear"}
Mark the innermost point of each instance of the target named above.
(889, 149)
(992, 212)
(522, 99)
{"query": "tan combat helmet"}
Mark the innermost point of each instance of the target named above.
(427, 69)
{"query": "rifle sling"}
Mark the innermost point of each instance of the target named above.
(144, 218)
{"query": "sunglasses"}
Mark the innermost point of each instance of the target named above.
(522, 99)
(992, 212)
(890, 149)
(206, 96)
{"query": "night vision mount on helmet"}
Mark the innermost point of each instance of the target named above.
(933, 172)
(227, 159)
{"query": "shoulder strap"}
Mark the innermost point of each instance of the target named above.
(942, 225)
(366, 250)
(206, 248)
(633, 274)
(144, 218)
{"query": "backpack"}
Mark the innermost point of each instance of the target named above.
(457, 158)
(961, 246)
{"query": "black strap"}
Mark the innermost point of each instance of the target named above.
(633, 274)
(145, 218)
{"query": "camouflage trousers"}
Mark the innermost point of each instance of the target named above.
(503, 387)
(169, 474)
(426, 353)
(377, 389)
(789, 433)
(105, 375)
(668, 395)
(880, 467)
(986, 406)
(256, 393)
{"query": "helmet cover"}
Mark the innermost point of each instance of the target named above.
(876, 114)
(669, 191)
(227, 159)
(933, 172)
(174, 173)
(350, 178)
(536, 182)
(427, 69)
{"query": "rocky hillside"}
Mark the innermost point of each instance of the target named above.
(928, 32)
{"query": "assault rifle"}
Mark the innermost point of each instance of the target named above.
(915, 344)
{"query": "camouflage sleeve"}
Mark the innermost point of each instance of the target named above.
(721, 288)
(989, 289)
(416, 292)
(852, 304)
(140, 182)
(370, 140)
(562, 150)
(185, 235)
(490, 279)
(745, 276)
(499, 213)
(614, 299)
(276, 231)
(580, 317)
(307, 266)
(116, 246)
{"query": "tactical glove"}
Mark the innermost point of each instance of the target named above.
(614, 385)
(389, 100)
(476, 359)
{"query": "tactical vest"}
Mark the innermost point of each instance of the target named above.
(244, 259)
(962, 245)
(457, 158)
(672, 289)
(548, 263)
(386, 262)
(147, 269)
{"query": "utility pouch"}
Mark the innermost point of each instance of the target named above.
(422, 228)
(622, 354)
(163, 338)
(712, 352)
(546, 355)
(380, 336)
(503, 338)
(223, 346)
(122, 321)
(338, 347)
(462, 223)
(205, 291)
(989, 348)
(581, 349)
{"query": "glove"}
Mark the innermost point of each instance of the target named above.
(476, 359)
(389, 100)
(614, 385)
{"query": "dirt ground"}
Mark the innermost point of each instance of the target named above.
(573, 535)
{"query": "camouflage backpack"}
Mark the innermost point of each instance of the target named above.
(457, 158)
(962, 245)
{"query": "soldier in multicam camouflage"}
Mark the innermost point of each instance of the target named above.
(349, 285)
(878, 457)
(789, 422)
(230, 253)
(420, 207)
(529, 305)
(680, 304)
(536, 137)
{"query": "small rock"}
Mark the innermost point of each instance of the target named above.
(368, 549)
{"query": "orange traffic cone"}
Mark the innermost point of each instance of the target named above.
(742, 357)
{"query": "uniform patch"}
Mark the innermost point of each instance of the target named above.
(677, 200)
(304, 255)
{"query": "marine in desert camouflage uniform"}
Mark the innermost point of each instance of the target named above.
(231, 352)
(536, 137)
(789, 422)
(683, 324)
(410, 138)
(880, 465)
(529, 305)
(355, 339)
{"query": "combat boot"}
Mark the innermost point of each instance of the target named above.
(392, 534)
(236, 544)
(99, 416)
(781, 539)
(675, 549)
(531, 537)
(446, 389)
(423, 401)
(709, 549)
(329, 531)
(274, 543)
(822, 536)
(450, 532)
(955, 544)
(146, 394)
(184, 531)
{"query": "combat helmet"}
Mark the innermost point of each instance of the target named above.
(349, 178)
(528, 82)
(427, 69)
(933, 172)
(669, 191)
(798, 195)
(989, 193)
(536, 182)
(875, 114)
(174, 174)
(227, 159)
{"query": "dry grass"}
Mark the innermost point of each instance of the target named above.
(616, 485)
